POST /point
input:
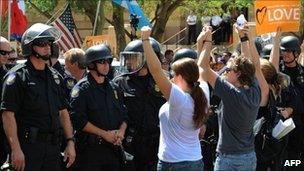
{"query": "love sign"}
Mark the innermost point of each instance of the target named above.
(272, 14)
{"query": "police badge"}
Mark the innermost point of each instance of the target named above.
(56, 78)
(11, 78)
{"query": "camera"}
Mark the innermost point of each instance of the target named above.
(134, 20)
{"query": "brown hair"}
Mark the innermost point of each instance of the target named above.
(188, 69)
(271, 75)
(245, 67)
(75, 55)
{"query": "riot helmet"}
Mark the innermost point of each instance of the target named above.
(132, 59)
(37, 34)
(290, 43)
(98, 54)
(266, 51)
(184, 53)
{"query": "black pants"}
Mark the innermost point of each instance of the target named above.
(144, 149)
(3, 149)
(191, 34)
(95, 157)
(3, 145)
(41, 156)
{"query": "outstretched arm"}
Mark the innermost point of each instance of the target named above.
(154, 64)
(250, 51)
(275, 52)
(204, 43)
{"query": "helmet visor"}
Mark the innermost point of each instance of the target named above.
(40, 31)
(131, 62)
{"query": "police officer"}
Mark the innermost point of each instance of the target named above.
(74, 68)
(98, 114)
(5, 50)
(143, 100)
(33, 106)
(291, 50)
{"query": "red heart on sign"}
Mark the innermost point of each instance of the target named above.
(260, 14)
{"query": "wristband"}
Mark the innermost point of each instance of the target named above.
(244, 39)
(70, 139)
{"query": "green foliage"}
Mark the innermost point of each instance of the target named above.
(211, 7)
(149, 7)
(43, 5)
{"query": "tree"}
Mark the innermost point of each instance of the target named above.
(89, 8)
(118, 22)
(164, 10)
(47, 7)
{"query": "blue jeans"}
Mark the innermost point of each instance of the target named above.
(237, 162)
(182, 166)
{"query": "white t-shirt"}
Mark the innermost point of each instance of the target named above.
(178, 138)
(204, 86)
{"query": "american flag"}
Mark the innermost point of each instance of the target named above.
(70, 37)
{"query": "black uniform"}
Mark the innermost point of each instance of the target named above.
(36, 97)
(101, 105)
(295, 145)
(143, 100)
(3, 147)
(58, 67)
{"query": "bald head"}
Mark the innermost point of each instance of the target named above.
(5, 49)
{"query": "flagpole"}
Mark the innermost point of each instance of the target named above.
(96, 16)
(9, 21)
(53, 16)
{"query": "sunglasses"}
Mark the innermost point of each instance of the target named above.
(103, 61)
(3, 52)
(42, 43)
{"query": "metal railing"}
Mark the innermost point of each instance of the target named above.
(178, 39)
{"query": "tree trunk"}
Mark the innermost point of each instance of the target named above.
(118, 23)
(90, 8)
(163, 12)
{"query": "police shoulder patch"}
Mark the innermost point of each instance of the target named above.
(11, 78)
(75, 92)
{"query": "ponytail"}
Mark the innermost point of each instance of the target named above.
(200, 105)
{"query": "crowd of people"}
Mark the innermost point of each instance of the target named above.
(184, 110)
